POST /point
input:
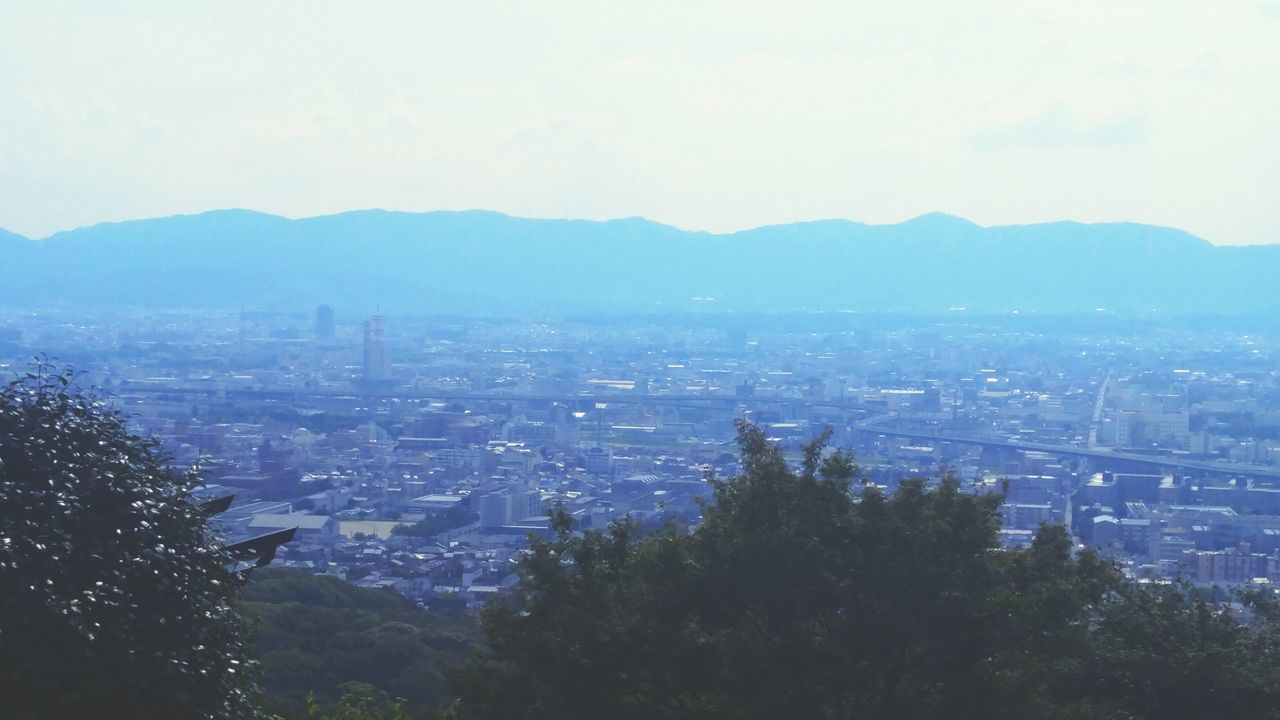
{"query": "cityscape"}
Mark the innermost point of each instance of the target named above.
(418, 454)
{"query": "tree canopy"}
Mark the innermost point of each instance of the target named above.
(115, 597)
(345, 646)
(799, 597)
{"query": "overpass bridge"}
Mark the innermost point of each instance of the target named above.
(1106, 456)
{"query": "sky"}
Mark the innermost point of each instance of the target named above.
(701, 114)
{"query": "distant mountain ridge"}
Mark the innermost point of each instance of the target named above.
(481, 262)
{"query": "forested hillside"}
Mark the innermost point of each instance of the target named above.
(319, 635)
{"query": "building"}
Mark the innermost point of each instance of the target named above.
(324, 322)
(318, 529)
(1231, 565)
(377, 365)
(432, 504)
(598, 461)
(1025, 516)
(509, 505)
(1140, 428)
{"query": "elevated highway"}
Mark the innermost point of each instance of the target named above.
(1158, 461)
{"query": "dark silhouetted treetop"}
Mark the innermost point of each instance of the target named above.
(115, 597)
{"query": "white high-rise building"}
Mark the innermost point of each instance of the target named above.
(377, 366)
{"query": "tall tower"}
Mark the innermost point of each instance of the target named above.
(324, 321)
(376, 364)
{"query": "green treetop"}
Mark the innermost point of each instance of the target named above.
(797, 597)
(114, 594)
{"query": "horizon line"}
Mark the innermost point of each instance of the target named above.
(935, 214)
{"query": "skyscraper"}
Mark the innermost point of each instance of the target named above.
(376, 364)
(324, 321)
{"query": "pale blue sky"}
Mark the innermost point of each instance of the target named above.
(705, 115)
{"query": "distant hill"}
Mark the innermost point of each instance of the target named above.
(489, 263)
(7, 237)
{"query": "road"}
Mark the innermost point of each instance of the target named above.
(1072, 450)
(1096, 422)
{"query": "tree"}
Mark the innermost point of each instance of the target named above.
(359, 701)
(115, 597)
(1165, 651)
(797, 597)
(321, 636)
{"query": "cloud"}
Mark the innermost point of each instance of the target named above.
(1059, 127)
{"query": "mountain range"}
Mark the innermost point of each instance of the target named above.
(479, 262)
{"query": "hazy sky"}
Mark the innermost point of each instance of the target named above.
(705, 115)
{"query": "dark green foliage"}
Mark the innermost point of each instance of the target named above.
(796, 598)
(359, 701)
(432, 525)
(115, 599)
(1165, 653)
(318, 634)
